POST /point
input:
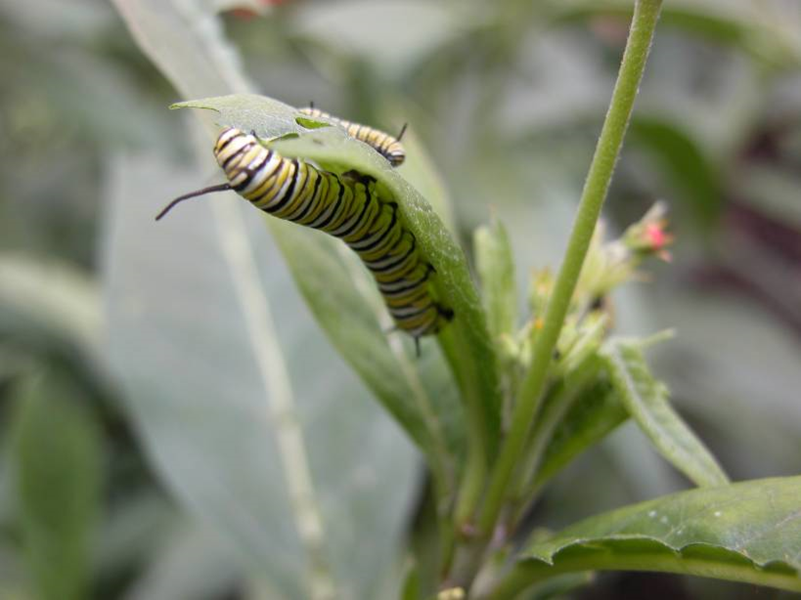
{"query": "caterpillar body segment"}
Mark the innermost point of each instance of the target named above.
(345, 206)
(386, 145)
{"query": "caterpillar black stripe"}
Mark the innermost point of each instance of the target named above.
(387, 146)
(344, 206)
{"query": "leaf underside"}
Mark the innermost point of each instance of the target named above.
(748, 531)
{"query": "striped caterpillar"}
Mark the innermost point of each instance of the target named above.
(346, 206)
(383, 143)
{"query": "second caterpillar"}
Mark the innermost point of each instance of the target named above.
(345, 206)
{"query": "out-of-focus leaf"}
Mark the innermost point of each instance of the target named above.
(767, 32)
(52, 302)
(14, 584)
(185, 40)
(393, 35)
(683, 162)
(282, 452)
(497, 273)
(646, 400)
(80, 19)
(770, 190)
(411, 585)
(421, 395)
(132, 531)
(58, 464)
(465, 340)
(748, 532)
(191, 565)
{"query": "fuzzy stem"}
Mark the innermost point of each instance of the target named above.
(646, 13)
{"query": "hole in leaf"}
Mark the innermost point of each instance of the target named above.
(310, 123)
(287, 136)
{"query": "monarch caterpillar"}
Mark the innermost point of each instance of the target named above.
(383, 143)
(347, 207)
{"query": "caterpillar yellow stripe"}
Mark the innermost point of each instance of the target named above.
(345, 206)
(387, 146)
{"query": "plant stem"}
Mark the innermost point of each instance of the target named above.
(646, 13)
(556, 407)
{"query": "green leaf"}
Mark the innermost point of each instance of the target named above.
(591, 417)
(646, 400)
(496, 271)
(465, 341)
(58, 465)
(419, 394)
(411, 584)
(361, 29)
(748, 531)
(248, 415)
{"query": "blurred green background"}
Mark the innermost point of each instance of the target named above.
(103, 493)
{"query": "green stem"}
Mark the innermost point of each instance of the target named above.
(646, 13)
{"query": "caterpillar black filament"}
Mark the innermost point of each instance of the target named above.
(387, 146)
(344, 206)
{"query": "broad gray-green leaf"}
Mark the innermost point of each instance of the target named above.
(497, 273)
(646, 400)
(419, 394)
(58, 463)
(251, 419)
(132, 529)
(331, 280)
(465, 341)
(184, 38)
(393, 35)
(192, 564)
(748, 531)
(186, 44)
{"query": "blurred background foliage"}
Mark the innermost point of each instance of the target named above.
(508, 97)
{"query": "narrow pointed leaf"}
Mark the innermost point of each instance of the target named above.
(646, 400)
(595, 413)
(496, 271)
(58, 465)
